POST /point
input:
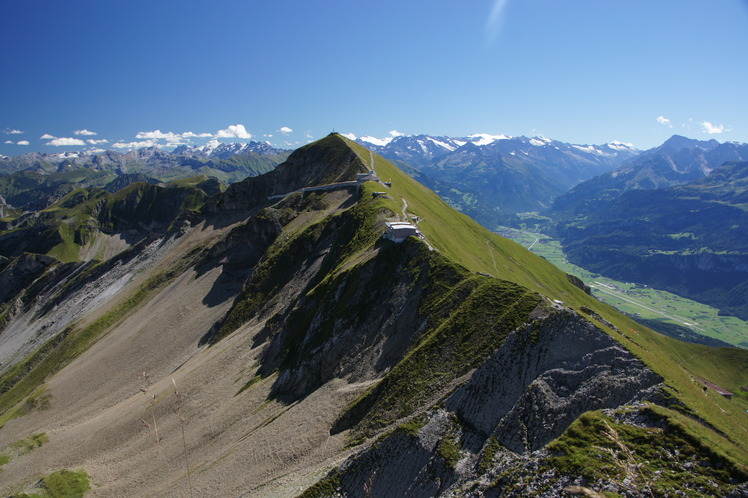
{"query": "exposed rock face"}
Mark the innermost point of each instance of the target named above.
(544, 376)
(4, 207)
(579, 283)
(57, 295)
(356, 327)
(19, 272)
(403, 464)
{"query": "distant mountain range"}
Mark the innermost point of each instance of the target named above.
(35, 181)
(489, 177)
(152, 157)
(675, 217)
(677, 161)
(229, 162)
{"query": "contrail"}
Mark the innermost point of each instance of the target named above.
(494, 22)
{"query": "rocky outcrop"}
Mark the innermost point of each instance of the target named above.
(17, 273)
(5, 208)
(329, 160)
(355, 326)
(544, 376)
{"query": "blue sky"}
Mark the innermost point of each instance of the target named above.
(164, 71)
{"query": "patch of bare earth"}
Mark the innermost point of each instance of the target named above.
(104, 414)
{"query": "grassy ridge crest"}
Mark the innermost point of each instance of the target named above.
(463, 241)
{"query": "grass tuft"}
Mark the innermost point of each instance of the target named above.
(61, 484)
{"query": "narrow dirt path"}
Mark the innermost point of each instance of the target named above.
(490, 251)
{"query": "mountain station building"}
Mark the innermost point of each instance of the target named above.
(398, 231)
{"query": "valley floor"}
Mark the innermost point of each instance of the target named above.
(641, 302)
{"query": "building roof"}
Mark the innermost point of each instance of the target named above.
(723, 392)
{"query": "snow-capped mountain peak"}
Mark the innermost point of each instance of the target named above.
(622, 146)
(486, 139)
(421, 150)
(445, 145)
(218, 149)
(380, 142)
(539, 141)
(209, 147)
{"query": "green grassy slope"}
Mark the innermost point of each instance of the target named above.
(466, 242)
(31, 190)
(62, 229)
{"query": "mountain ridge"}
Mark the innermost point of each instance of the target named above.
(280, 285)
(213, 149)
(677, 161)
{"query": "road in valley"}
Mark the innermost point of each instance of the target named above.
(636, 303)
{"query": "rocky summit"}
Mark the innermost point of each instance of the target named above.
(267, 340)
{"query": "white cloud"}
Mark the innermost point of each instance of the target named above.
(66, 141)
(234, 131)
(94, 142)
(9, 141)
(349, 136)
(84, 132)
(135, 145)
(22, 142)
(47, 136)
(13, 132)
(664, 121)
(485, 138)
(381, 142)
(170, 137)
(157, 135)
(285, 129)
(395, 133)
(711, 129)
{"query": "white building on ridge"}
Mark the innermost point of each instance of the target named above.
(398, 231)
